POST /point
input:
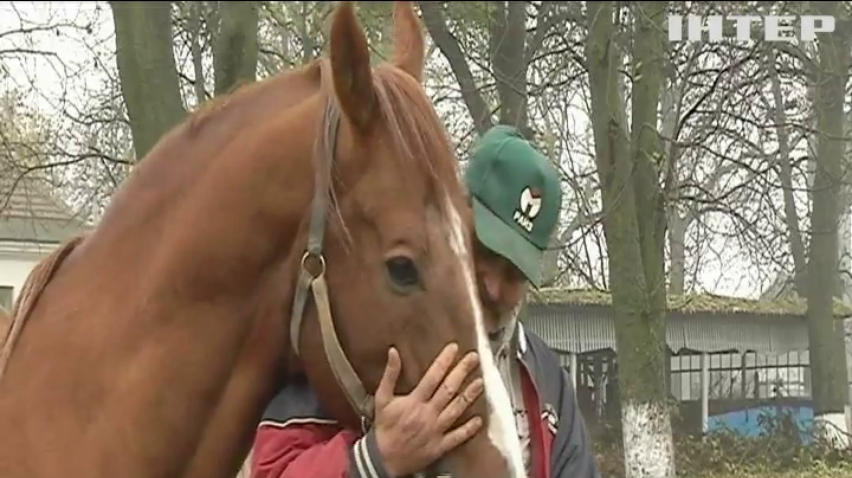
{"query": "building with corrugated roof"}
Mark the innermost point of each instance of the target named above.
(726, 353)
(33, 222)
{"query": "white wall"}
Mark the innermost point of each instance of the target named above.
(13, 272)
(15, 265)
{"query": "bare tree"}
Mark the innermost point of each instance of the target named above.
(826, 335)
(146, 66)
(147, 69)
(235, 53)
(628, 160)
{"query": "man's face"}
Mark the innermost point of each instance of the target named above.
(501, 288)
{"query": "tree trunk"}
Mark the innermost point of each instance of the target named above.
(785, 176)
(677, 223)
(235, 51)
(634, 227)
(826, 335)
(845, 247)
(507, 41)
(436, 24)
(146, 63)
(195, 51)
(146, 68)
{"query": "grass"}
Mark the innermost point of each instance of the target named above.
(827, 473)
(818, 469)
(778, 453)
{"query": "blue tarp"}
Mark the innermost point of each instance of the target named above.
(746, 422)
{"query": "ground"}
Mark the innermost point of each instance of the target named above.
(827, 473)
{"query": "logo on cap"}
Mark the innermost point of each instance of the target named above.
(530, 206)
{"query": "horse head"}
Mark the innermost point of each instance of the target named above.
(160, 338)
(398, 257)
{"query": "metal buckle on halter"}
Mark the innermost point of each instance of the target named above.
(319, 257)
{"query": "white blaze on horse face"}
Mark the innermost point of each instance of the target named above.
(501, 421)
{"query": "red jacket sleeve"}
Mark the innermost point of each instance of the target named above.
(314, 450)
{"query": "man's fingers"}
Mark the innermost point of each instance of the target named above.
(435, 375)
(460, 435)
(385, 391)
(452, 384)
(459, 404)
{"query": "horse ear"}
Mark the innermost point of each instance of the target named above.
(351, 70)
(409, 44)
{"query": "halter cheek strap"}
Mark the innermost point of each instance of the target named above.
(344, 373)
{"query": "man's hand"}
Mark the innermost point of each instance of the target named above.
(412, 431)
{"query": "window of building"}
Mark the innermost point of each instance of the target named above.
(6, 297)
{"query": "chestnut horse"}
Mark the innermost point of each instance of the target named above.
(150, 348)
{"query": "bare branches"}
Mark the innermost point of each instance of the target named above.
(735, 128)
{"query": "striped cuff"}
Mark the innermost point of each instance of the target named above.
(366, 461)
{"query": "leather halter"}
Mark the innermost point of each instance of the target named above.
(344, 373)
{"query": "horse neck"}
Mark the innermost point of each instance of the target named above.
(266, 364)
(188, 343)
(260, 370)
(226, 438)
(265, 358)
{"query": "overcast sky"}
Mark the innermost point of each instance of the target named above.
(65, 39)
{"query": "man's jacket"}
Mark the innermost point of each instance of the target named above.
(296, 439)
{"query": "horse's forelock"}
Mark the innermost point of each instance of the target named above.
(421, 142)
(416, 132)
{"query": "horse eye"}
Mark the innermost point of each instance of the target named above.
(402, 271)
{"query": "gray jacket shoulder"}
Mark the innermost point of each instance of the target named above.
(294, 403)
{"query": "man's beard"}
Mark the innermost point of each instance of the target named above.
(508, 322)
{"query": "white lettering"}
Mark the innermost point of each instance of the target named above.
(523, 221)
(675, 27)
(810, 28)
(776, 28)
(744, 24)
(695, 28)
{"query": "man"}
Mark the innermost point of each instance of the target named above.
(516, 198)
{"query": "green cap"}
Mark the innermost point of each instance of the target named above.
(516, 196)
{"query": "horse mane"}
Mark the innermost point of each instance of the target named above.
(211, 108)
(417, 133)
(236, 95)
(35, 284)
(198, 118)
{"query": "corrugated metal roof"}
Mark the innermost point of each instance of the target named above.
(29, 212)
(579, 329)
(689, 303)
